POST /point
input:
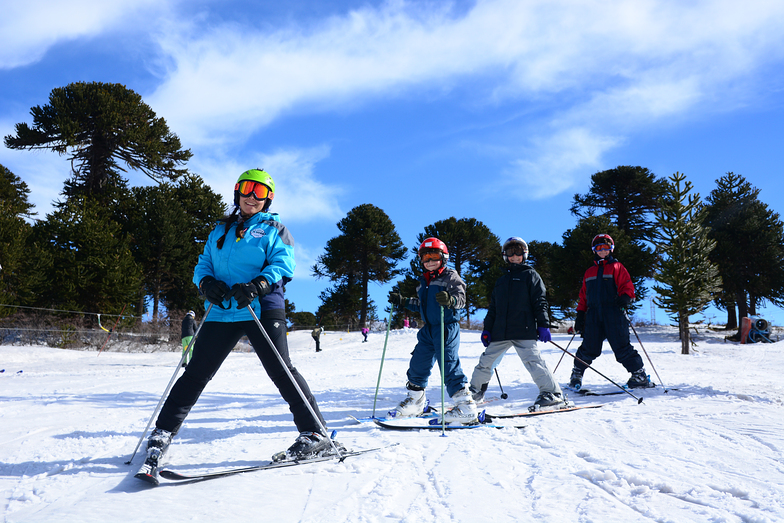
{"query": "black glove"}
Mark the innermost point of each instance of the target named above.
(623, 301)
(579, 322)
(397, 299)
(214, 290)
(445, 300)
(244, 293)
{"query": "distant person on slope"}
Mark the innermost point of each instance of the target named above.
(516, 317)
(365, 331)
(439, 286)
(186, 335)
(316, 334)
(247, 260)
(606, 292)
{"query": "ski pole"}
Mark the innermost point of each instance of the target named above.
(504, 395)
(169, 386)
(296, 385)
(383, 354)
(639, 400)
(666, 390)
(443, 385)
(563, 353)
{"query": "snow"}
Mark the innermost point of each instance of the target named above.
(710, 451)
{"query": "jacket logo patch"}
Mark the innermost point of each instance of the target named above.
(257, 233)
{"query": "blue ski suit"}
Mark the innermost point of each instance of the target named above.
(263, 247)
(428, 348)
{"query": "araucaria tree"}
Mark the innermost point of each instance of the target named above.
(687, 280)
(98, 125)
(750, 250)
(368, 249)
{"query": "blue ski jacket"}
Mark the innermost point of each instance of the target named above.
(265, 248)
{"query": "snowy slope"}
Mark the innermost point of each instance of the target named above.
(710, 451)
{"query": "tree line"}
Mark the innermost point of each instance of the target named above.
(107, 245)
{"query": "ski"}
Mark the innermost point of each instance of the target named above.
(177, 478)
(489, 418)
(588, 392)
(435, 424)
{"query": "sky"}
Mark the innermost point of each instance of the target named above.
(498, 110)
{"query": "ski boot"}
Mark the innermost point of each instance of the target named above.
(309, 445)
(576, 380)
(639, 380)
(156, 447)
(464, 412)
(414, 404)
(548, 401)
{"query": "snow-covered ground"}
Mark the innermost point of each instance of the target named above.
(708, 451)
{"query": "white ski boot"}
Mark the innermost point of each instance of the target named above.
(464, 412)
(414, 404)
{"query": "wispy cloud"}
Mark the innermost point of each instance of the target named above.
(299, 195)
(600, 68)
(28, 29)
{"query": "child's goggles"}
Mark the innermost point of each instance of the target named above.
(514, 250)
(249, 187)
(431, 256)
(602, 247)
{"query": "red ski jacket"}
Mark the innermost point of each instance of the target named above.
(603, 282)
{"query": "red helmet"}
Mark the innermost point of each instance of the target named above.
(602, 239)
(434, 244)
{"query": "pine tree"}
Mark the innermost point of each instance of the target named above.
(99, 125)
(471, 244)
(688, 278)
(368, 249)
(626, 195)
(92, 268)
(750, 247)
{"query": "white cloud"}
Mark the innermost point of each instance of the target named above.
(28, 29)
(608, 66)
(299, 195)
(554, 164)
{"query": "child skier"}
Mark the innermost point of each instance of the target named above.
(516, 317)
(186, 335)
(606, 291)
(438, 287)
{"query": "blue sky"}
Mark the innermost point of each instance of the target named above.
(499, 110)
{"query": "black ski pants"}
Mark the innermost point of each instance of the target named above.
(214, 343)
(610, 325)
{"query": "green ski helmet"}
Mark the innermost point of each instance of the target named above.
(256, 175)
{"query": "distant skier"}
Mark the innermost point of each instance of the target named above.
(438, 287)
(606, 292)
(516, 317)
(365, 331)
(316, 334)
(187, 332)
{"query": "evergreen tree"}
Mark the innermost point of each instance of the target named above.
(750, 248)
(14, 195)
(625, 194)
(471, 245)
(368, 250)
(568, 263)
(20, 260)
(688, 278)
(99, 125)
(92, 268)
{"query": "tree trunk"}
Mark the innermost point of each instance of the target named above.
(732, 317)
(683, 330)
